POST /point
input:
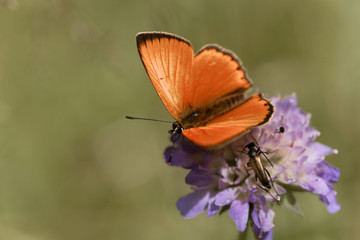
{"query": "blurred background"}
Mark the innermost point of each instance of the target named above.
(71, 166)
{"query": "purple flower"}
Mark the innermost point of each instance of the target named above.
(222, 179)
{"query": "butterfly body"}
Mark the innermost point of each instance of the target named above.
(205, 92)
(200, 116)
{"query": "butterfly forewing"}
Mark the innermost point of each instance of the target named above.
(168, 60)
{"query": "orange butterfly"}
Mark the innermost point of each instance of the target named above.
(205, 93)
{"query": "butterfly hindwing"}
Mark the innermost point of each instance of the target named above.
(253, 112)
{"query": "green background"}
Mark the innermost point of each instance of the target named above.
(71, 167)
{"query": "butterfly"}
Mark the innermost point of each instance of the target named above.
(205, 92)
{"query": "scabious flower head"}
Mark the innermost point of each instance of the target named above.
(222, 179)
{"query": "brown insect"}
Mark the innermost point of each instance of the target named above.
(254, 152)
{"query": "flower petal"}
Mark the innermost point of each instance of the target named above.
(179, 158)
(318, 151)
(262, 235)
(199, 178)
(263, 217)
(330, 201)
(213, 209)
(239, 212)
(193, 203)
(328, 172)
(226, 196)
(316, 185)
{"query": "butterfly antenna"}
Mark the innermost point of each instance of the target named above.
(147, 119)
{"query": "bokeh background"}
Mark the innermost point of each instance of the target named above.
(71, 166)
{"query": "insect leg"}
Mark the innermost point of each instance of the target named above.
(272, 182)
(263, 153)
(275, 198)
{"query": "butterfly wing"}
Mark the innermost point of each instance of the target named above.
(186, 83)
(167, 59)
(253, 112)
(216, 72)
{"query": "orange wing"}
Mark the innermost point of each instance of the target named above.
(168, 61)
(215, 73)
(253, 112)
(184, 82)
